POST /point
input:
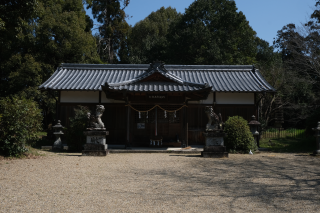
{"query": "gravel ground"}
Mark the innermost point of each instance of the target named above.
(63, 182)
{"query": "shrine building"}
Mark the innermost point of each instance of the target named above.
(143, 101)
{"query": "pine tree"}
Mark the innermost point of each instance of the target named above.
(113, 28)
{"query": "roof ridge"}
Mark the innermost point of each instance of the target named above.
(146, 66)
(165, 73)
(104, 66)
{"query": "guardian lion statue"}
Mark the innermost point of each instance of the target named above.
(94, 120)
(214, 120)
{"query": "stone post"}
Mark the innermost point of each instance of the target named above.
(58, 132)
(317, 130)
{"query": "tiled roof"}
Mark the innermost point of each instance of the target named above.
(222, 78)
(156, 86)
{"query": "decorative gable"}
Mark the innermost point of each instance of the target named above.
(156, 76)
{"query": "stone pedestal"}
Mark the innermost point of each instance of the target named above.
(96, 143)
(57, 143)
(214, 145)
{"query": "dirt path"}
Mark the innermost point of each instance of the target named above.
(266, 182)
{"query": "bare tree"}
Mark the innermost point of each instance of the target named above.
(299, 77)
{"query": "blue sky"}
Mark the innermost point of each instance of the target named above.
(266, 17)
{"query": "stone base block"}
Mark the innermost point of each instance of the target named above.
(214, 149)
(96, 138)
(92, 146)
(214, 154)
(95, 152)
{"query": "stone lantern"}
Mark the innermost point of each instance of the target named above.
(317, 130)
(58, 132)
(254, 125)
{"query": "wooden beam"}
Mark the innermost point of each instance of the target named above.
(195, 94)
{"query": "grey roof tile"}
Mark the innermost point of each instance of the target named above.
(222, 78)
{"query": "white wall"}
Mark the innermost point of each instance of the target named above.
(79, 97)
(104, 99)
(85, 97)
(93, 97)
(209, 100)
(234, 98)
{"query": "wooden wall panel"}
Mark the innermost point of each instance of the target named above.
(115, 120)
(169, 129)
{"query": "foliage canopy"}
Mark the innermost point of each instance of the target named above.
(147, 40)
(212, 32)
(36, 36)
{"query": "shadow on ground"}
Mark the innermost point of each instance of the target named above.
(271, 181)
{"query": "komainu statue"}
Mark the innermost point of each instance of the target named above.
(214, 121)
(94, 120)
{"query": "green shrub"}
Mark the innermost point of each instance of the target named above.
(19, 126)
(74, 133)
(239, 138)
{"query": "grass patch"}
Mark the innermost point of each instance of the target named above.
(42, 133)
(284, 133)
(32, 153)
(288, 144)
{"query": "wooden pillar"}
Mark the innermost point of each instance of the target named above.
(99, 97)
(58, 107)
(128, 126)
(187, 126)
(156, 122)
